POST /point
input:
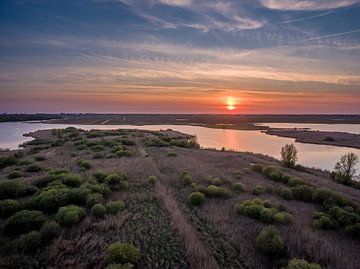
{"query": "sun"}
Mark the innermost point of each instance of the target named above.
(230, 101)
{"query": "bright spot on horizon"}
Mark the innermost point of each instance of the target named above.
(230, 101)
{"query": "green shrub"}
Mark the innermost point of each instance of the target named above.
(270, 243)
(8, 207)
(171, 154)
(98, 211)
(238, 174)
(152, 180)
(7, 161)
(253, 208)
(122, 253)
(303, 193)
(283, 218)
(49, 200)
(267, 215)
(116, 181)
(268, 170)
(50, 230)
(114, 207)
(186, 178)
(293, 181)
(24, 221)
(11, 189)
(275, 176)
(128, 142)
(29, 242)
(257, 167)
(124, 153)
(98, 156)
(120, 266)
(15, 174)
(258, 190)
(329, 197)
(286, 193)
(353, 230)
(94, 198)
(40, 158)
(70, 215)
(301, 264)
(97, 188)
(84, 164)
(216, 181)
(217, 192)
(343, 217)
(71, 180)
(238, 187)
(324, 222)
(97, 148)
(100, 176)
(196, 198)
(33, 168)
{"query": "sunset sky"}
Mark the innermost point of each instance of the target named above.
(180, 56)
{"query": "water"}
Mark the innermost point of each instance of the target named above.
(319, 156)
(347, 128)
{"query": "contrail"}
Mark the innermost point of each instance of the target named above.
(331, 35)
(306, 18)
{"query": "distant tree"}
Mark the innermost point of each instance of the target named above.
(344, 169)
(289, 155)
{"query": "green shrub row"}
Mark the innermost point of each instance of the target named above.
(264, 211)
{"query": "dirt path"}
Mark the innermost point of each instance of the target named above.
(196, 253)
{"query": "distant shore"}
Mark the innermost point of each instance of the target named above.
(341, 139)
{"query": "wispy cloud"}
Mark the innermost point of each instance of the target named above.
(307, 4)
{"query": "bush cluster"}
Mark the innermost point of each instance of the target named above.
(238, 187)
(114, 207)
(8, 207)
(24, 221)
(257, 167)
(7, 161)
(122, 253)
(33, 168)
(86, 165)
(263, 210)
(15, 174)
(171, 154)
(186, 178)
(51, 198)
(117, 181)
(12, 189)
(196, 198)
(29, 242)
(70, 215)
(213, 191)
(98, 211)
(338, 217)
(50, 230)
(270, 243)
(301, 264)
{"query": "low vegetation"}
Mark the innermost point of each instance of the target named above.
(88, 206)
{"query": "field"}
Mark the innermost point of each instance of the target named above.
(150, 178)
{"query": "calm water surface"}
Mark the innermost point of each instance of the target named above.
(320, 156)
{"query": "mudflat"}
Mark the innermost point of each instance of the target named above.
(319, 137)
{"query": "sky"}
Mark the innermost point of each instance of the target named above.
(180, 56)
